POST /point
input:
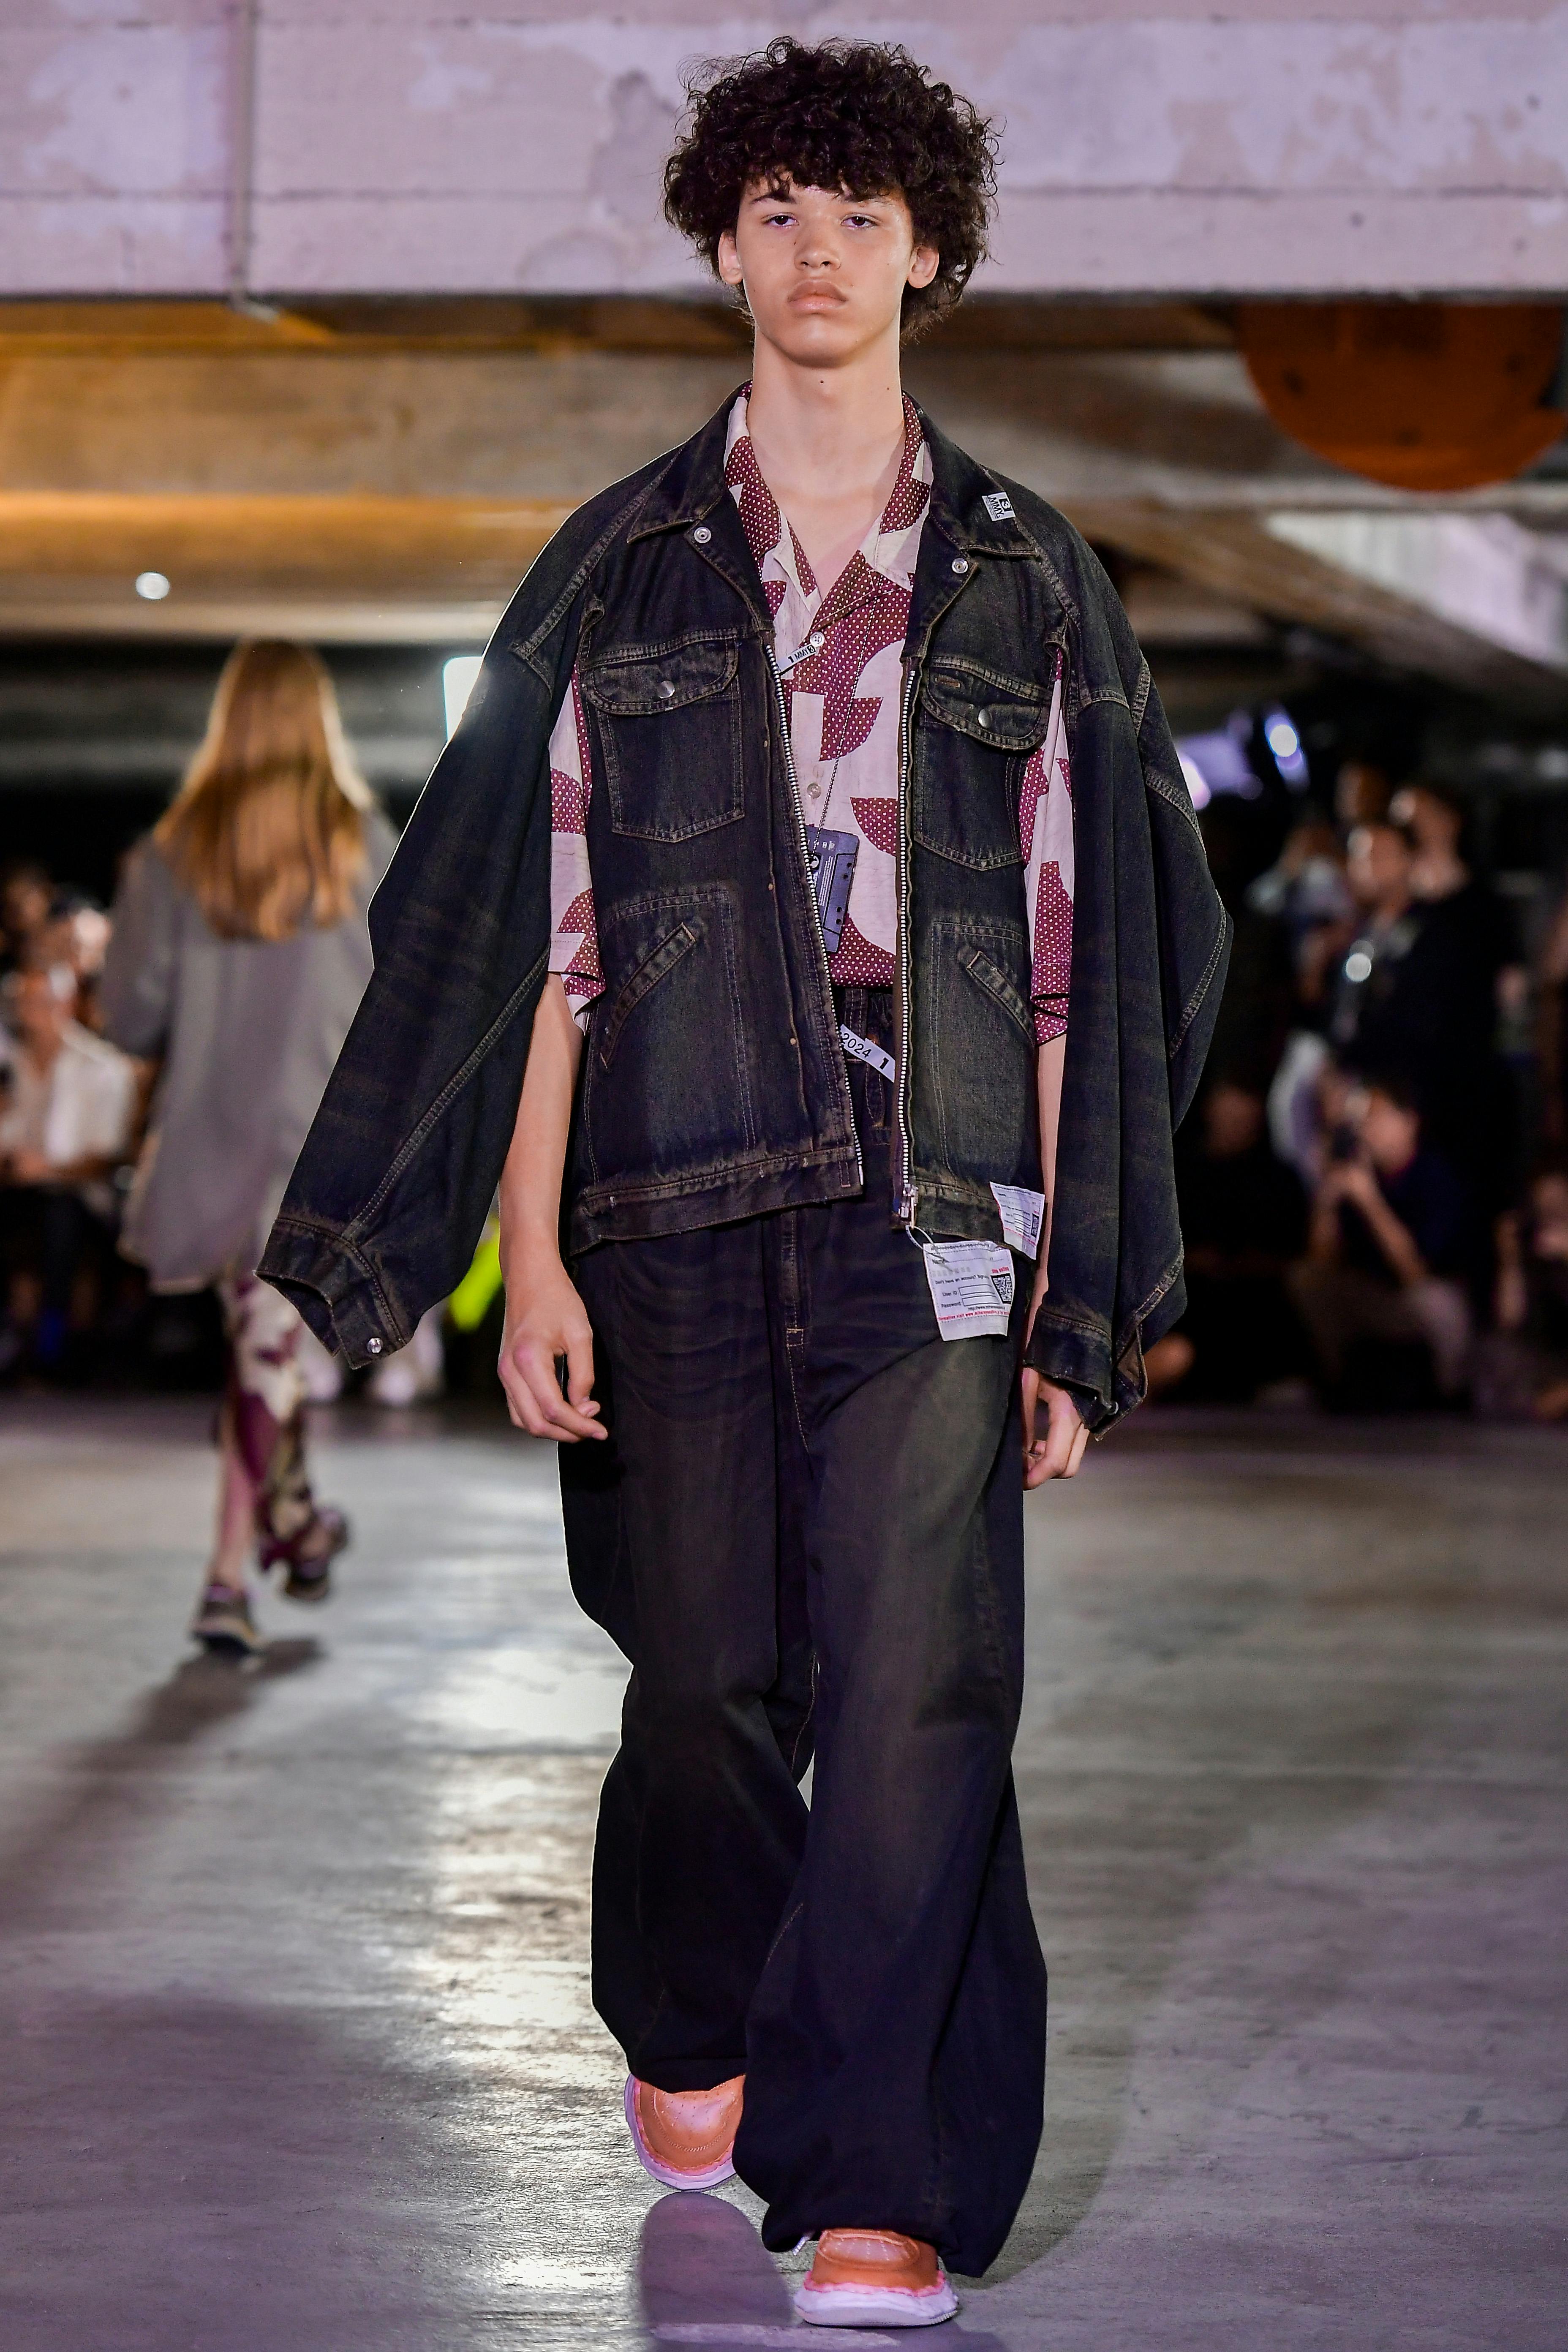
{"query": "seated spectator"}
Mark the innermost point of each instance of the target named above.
(75, 941)
(1522, 1366)
(1388, 1245)
(65, 1122)
(1244, 1217)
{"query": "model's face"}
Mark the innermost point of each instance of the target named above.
(824, 273)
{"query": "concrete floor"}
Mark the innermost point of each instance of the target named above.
(296, 2051)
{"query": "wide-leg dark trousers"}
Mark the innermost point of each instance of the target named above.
(807, 1534)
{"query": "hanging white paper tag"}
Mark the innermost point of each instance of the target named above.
(972, 1285)
(1022, 1215)
(861, 1049)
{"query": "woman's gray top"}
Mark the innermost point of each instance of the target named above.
(248, 1031)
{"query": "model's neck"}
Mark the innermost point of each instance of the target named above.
(831, 423)
(828, 442)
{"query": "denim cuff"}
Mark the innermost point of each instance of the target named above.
(336, 1292)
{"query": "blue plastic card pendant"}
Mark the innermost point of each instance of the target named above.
(831, 857)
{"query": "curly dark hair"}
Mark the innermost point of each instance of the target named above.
(861, 116)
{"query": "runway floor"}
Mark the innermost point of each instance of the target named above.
(296, 2048)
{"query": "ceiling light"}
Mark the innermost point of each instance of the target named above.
(152, 585)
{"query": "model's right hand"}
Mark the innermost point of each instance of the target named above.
(545, 1321)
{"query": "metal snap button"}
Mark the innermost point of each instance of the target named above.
(816, 639)
(373, 1346)
(982, 718)
(701, 535)
(666, 691)
(961, 564)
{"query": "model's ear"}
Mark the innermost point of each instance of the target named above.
(729, 260)
(924, 265)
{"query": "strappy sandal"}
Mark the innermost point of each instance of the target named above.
(308, 1555)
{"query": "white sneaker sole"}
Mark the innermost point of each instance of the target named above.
(666, 2174)
(875, 2306)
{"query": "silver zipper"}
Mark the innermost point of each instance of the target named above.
(906, 1198)
(810, 891)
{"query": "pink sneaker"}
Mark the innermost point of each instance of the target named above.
(862, 2278)
(685, 2139)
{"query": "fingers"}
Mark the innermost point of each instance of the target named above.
(580, 1370)
(534, 1394)
(1056, 1450)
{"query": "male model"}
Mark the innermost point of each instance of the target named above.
(748, 933)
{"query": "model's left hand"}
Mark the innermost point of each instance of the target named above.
(1056, 1450)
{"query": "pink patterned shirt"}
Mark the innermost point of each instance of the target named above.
(841, 655)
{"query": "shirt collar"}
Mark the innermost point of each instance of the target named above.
(889, 548)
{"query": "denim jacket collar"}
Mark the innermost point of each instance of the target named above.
(971, 516)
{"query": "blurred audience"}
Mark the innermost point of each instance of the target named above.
(1553, 1043)
(1361, 795)
(66, 1120)
(27, 895)
(1416, 992)
(239, 954)
(1244, 1215)
(1521, 1365)
(1353, 1203)
(1381, 1288)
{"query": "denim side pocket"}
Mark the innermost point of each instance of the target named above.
(980, 1065)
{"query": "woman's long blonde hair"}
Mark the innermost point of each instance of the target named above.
(267, 831)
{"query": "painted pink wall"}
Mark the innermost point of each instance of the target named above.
(513, 145)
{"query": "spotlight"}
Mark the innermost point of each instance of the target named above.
(1357, 966)
(1280, 735)
(457, 678)
(152, 585)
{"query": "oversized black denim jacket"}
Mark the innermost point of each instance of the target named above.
(712, 1082)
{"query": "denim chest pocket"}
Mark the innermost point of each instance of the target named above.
(669, 729)
(977, 730)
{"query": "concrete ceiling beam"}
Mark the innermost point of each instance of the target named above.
(336, 489)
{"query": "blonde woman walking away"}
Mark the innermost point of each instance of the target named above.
(239, 955)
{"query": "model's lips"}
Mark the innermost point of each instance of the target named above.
(815, 298)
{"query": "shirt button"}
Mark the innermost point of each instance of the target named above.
(961, 564)
(816, 639)
(701, 535)
(373, 1346)
(666, 691)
